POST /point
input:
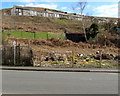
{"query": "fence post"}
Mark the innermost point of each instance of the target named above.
(47, 35)
(100, 57)
(72, 59)
(4, 55)
(40, 58)
(21, 34)
(31, 55)
(34, 35)
(14, 48)
(18, 54)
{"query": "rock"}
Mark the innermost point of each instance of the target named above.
(105, 56)
(117, 57)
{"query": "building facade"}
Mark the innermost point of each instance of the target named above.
(29, 11)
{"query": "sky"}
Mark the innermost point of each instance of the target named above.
(93, 8)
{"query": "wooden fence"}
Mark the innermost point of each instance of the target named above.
(17, 56)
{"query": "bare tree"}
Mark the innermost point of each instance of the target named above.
(80, 8)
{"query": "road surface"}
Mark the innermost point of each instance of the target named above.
(43, 82)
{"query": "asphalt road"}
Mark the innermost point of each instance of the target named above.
(39, 82)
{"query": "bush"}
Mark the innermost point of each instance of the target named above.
(110, 27)
(92, 31)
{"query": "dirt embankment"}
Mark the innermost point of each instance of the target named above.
(62, 46)
(39, 24)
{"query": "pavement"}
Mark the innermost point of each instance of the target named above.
(46, 82)
(60, 69)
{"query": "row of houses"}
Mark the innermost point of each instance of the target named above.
(44, 12)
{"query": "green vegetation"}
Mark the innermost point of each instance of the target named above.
(31, 35)
(4, 36)
(104, 34)
(92, 31)
(110, 27)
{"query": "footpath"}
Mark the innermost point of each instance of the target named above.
(60, 69)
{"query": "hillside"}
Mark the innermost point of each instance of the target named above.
(39, 24)
(46, 46)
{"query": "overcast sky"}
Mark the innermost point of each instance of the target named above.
(102, 9)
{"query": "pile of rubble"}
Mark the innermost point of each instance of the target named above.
(69, 58)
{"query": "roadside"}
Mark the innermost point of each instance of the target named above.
(61, 69)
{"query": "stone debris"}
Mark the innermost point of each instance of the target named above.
(58, 59)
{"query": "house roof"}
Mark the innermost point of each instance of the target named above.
(30, 8)
(38, 9)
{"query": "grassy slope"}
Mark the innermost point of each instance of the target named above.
(29, 35)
